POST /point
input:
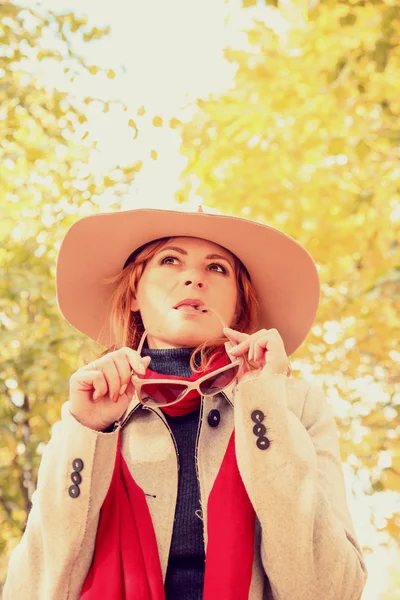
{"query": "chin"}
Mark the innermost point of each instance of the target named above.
(191, 339)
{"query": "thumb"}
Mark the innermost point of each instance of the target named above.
(235, 336)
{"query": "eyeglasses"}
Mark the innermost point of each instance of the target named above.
(165, 392)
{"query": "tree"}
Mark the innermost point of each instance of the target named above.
(45, 186)
(307, 140)
(392, 593)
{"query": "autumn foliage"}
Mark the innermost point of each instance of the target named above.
(307, 140)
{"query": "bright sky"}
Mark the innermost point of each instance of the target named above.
(166, 54)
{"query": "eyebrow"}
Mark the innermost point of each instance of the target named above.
(208, 257)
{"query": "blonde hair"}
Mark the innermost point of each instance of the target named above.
(127, 326)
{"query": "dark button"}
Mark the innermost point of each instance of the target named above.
(77, 464)
(259, 429)
(263, 443)
(74, 491)
(257, 416)
(76, 478)
(214, 418)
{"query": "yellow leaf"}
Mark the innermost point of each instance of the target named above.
(390, 480)
(362, 150)
(157, 122)
(174, 123)
(93, 70)
(141, 111)
(135, 168)
(111, 74)
(108, 181)
(33, 154)
(154, 154)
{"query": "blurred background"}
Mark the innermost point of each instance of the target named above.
(285, 112)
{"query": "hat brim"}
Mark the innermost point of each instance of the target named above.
(96, 247)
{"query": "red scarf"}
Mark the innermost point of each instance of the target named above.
(126, 564)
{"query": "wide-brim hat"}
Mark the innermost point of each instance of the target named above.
(96, 247)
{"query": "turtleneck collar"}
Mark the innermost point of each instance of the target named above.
(170, 361)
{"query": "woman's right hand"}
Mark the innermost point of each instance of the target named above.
(101, 391)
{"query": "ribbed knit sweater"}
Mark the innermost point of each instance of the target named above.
(185, 573)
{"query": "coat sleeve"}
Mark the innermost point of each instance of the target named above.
(309, 548)
(54, 554)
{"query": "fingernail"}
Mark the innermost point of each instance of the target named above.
(123, 388)
(233, 349)
(141, 369)
(96, 395)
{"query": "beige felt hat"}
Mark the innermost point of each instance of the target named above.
(97, 247)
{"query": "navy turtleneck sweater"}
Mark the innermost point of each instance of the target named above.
(185, 573)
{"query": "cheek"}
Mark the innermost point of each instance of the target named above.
(143, 294)
(146, 287)
(228, 301)
(152, 293)
(236, 303)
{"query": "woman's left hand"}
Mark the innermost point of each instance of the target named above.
(265, 347)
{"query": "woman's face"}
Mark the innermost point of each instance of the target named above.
(186, 268)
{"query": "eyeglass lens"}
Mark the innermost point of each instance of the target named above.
(166, 393)
(162, 393)
(218, 382)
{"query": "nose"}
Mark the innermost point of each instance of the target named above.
(194, 282)
(194, 278)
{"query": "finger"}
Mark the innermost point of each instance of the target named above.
(124, 369)
(90, 381)
(250, 354)
(138, 363)
(235, 336)
(130, 391)
(241, 348)
(99, 384)
(111, 374)
(243, 369)
(259, 349)
(146, 361)
(259, 353)
(125, 373)
(228, 346)
(253, 350)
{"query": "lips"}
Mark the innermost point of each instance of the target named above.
(189, 303)
(187, 308)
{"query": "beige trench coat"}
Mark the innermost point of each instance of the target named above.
(305, 547)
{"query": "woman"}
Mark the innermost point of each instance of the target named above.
(184, 467)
